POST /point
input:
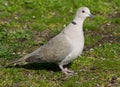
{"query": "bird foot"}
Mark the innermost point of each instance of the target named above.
(67, 71)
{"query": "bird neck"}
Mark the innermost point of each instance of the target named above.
(78, 21)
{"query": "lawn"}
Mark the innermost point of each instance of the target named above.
(28, 24)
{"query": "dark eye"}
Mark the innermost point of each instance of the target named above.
(83, 11)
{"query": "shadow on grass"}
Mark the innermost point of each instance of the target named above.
(40, 66)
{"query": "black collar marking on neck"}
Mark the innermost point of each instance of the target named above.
(73, 22)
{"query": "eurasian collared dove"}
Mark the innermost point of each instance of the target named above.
(63, 48)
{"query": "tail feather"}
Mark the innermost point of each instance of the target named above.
(30, 58)
(21, 61)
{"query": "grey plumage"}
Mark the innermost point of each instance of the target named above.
(50, 52)
(64, 47)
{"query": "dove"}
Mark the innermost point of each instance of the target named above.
(63, 48)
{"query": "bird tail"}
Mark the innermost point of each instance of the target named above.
(21, 61)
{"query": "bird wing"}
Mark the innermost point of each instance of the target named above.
(54, 51)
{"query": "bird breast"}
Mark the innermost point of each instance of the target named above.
(77, 43)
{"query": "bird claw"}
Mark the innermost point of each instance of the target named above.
(67, 71)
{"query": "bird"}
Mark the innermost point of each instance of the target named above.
(63, 48)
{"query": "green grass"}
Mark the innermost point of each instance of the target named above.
(27, 24)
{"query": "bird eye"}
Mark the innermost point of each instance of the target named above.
(83, 11)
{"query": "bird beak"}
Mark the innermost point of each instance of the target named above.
(90, 15)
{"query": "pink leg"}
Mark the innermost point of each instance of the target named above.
(66, 70)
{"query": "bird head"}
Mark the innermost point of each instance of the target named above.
(83, 13)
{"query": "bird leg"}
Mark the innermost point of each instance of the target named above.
(66, 70)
